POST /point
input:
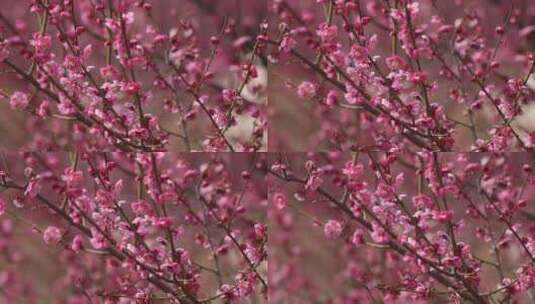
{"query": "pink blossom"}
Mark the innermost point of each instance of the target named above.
(229, 96)
(331, 99)
(140, 207)
(19, 101)
(41, 43)
(395, 62)
(422, 201)
(314, 182)
(33, 188)
(260, 231)
(131, 88)
(288, 43)
(306, 90)
(109, 72)
(332, 229)
(358, 238)
(444, 216)
(353, 96)
(280, 200)
(327, 32)
(163, 223)
(72, 178)
(252, 254)
(52, 235)
(44, 109)
(353, 171)
(77, 244)
(417, 77)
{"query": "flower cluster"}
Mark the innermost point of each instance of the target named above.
(133, 228)
(136, 164)
(394, 74)
(135, 76)
(417, 228)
